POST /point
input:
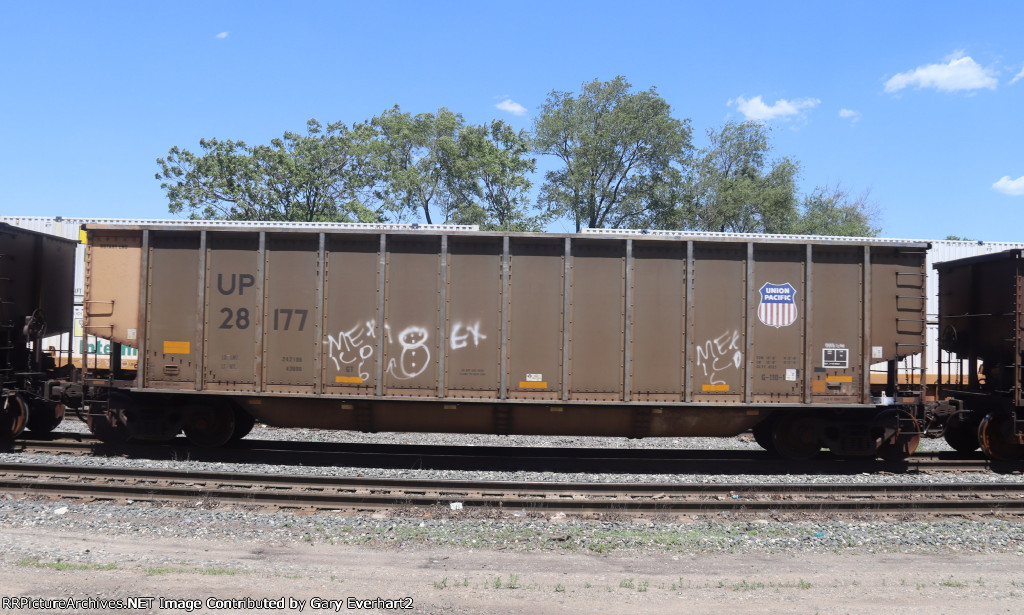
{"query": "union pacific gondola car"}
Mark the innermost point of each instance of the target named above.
(382, 330)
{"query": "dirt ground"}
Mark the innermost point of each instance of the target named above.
(484, 582)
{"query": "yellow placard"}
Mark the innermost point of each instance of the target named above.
(348, 379)
(715, 387)
(839, 378)
(177, 347)
(532, 385)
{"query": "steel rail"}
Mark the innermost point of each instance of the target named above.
(659, 461)
(303, 491)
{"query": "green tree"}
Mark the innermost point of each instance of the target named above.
(490, 173)
(414, 162)
(311, 177)
(620, 153)
(834, 212)
(435, 167)
(733, 187)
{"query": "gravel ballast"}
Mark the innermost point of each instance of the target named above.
(525, 529)
(486, 561)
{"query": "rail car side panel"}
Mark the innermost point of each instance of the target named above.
(233, 313)
(352, 323)
(113, 270)
(659, 301)
(172, 327)
(536, 309)
(291, 313)
(412, 333)
(596, 321)
(473, 315)
(509, 333)
(718, 323)
(836, 348)
(778, 315)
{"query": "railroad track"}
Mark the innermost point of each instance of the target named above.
(358, 494)
(545, 459)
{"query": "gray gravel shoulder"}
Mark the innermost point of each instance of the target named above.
(513, 561)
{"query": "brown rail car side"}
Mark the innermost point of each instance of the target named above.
(510, 333)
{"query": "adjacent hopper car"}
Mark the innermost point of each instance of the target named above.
(981, 326)
(478, 332)
(37, 274)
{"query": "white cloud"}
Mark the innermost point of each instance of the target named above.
(1019, 76)
(960, 72)
(511, 106)
(756, 109)
(850, 114)
(1012, 187)
(222, 35)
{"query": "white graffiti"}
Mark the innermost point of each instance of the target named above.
(352, 351)
(461, 340)
(415, 356)
(719, 354)
(356, 344)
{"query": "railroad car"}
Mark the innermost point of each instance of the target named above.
(36, 300)
(981, 324)
(383, 330)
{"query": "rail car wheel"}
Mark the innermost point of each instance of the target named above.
(795, 436)
(209, 424)
(903, 434)
(962, 434)
(763, 434)
(997, 434)
(44, 417)
(244, 422)
(14, 414)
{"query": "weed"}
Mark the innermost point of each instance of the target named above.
(745, 585)
(34, 563)
(559, 588)
(217, 571)
(443, 583)
(152, 572)
(626, 584)
(643, 586)
(951, 582)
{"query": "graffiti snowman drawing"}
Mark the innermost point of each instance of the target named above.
(415, 355)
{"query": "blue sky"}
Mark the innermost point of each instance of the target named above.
(919, 102)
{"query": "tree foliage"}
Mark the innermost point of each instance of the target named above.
(618, 151)
(436, 163)
(311, 177)
(833, 211)
(622, 160)
(734, 187)
(492, 164)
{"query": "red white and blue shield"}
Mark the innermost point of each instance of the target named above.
(778, 305)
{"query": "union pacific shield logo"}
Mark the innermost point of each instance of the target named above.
(778, 305)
